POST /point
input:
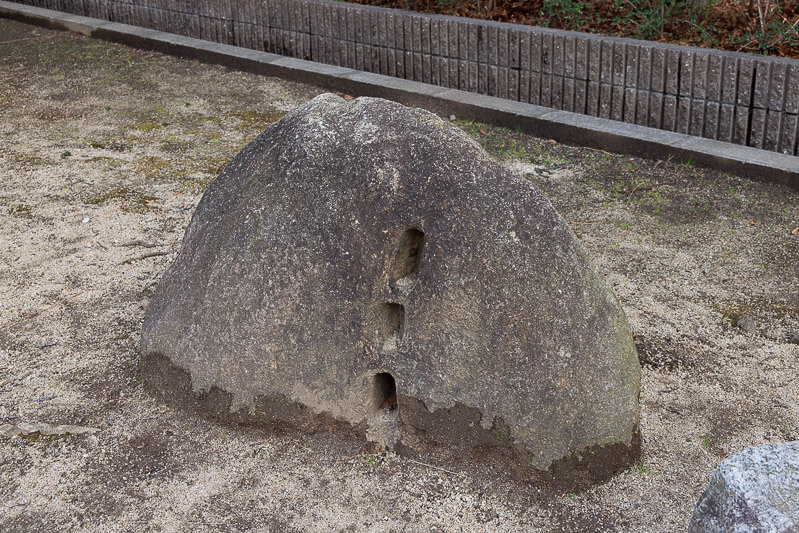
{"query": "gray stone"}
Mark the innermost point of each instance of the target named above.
(756, 490)
(747, 324)
(360, 255)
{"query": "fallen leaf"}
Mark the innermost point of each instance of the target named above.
(24, 429)
(751, 222)
(348, 97)
(483, 132)
(552, 141)
(795, 230)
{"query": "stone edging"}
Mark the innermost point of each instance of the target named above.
(556, 124)
(728, 96)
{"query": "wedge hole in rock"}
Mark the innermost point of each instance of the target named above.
(385, 392)
(391, 324)
(408, 258)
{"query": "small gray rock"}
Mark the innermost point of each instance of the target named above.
(747, 324)
(756, 490)
(793, 337)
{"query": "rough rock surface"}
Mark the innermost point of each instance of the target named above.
(756, 490)
(369, 263)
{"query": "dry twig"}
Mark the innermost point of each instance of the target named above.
(144, 256)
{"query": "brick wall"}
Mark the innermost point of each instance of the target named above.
(739, 98)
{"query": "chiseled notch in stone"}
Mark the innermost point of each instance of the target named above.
(385, 391)
(408, 259)
(391, 321)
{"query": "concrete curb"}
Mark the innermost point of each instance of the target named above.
(562, 126)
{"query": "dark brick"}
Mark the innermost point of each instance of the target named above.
(697, 126)
(746, 73)
(606, 62)
(535, 88)
(568, 94)
(686, 73)
(617, 103)
(729, 80)
(669, 113)
(762, 78)
(655, 110)
(556, 100)
(463, 40)
(426, 37)
(711, 126)
(788, 137)
(569, 52)
(546, 90)
(536, 46)
(629, 104)
(740, 131)
(513, 48)
(701, 66)
(493, 45)
(482, 79)
(473, 77)
(771, 139)
(619, 62)
(715, 64)
(558, 55)
(683, 114)
(592, 98)
(502, 82)
(758, 128)
(492, 80)
(547, 53)
(644, 67)
(726, 122)
(605, 100)
(594, 60)
(581, 59)
(580, 96)
(454, 69)
(632, 65)
(434, 37)
(474, 42)
(502, 46)
(513, 84)
(672, 76)
(658, 70)
(452, 33)
(776, 93)
(641, 107)
(524, 85)
(792, 91)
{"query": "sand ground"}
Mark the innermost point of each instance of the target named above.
(105, 152)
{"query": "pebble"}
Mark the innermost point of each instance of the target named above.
(747, 324)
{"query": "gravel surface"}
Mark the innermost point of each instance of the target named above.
(106, 151)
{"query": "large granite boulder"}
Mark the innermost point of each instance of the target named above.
(370, 263)
(753, 491)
